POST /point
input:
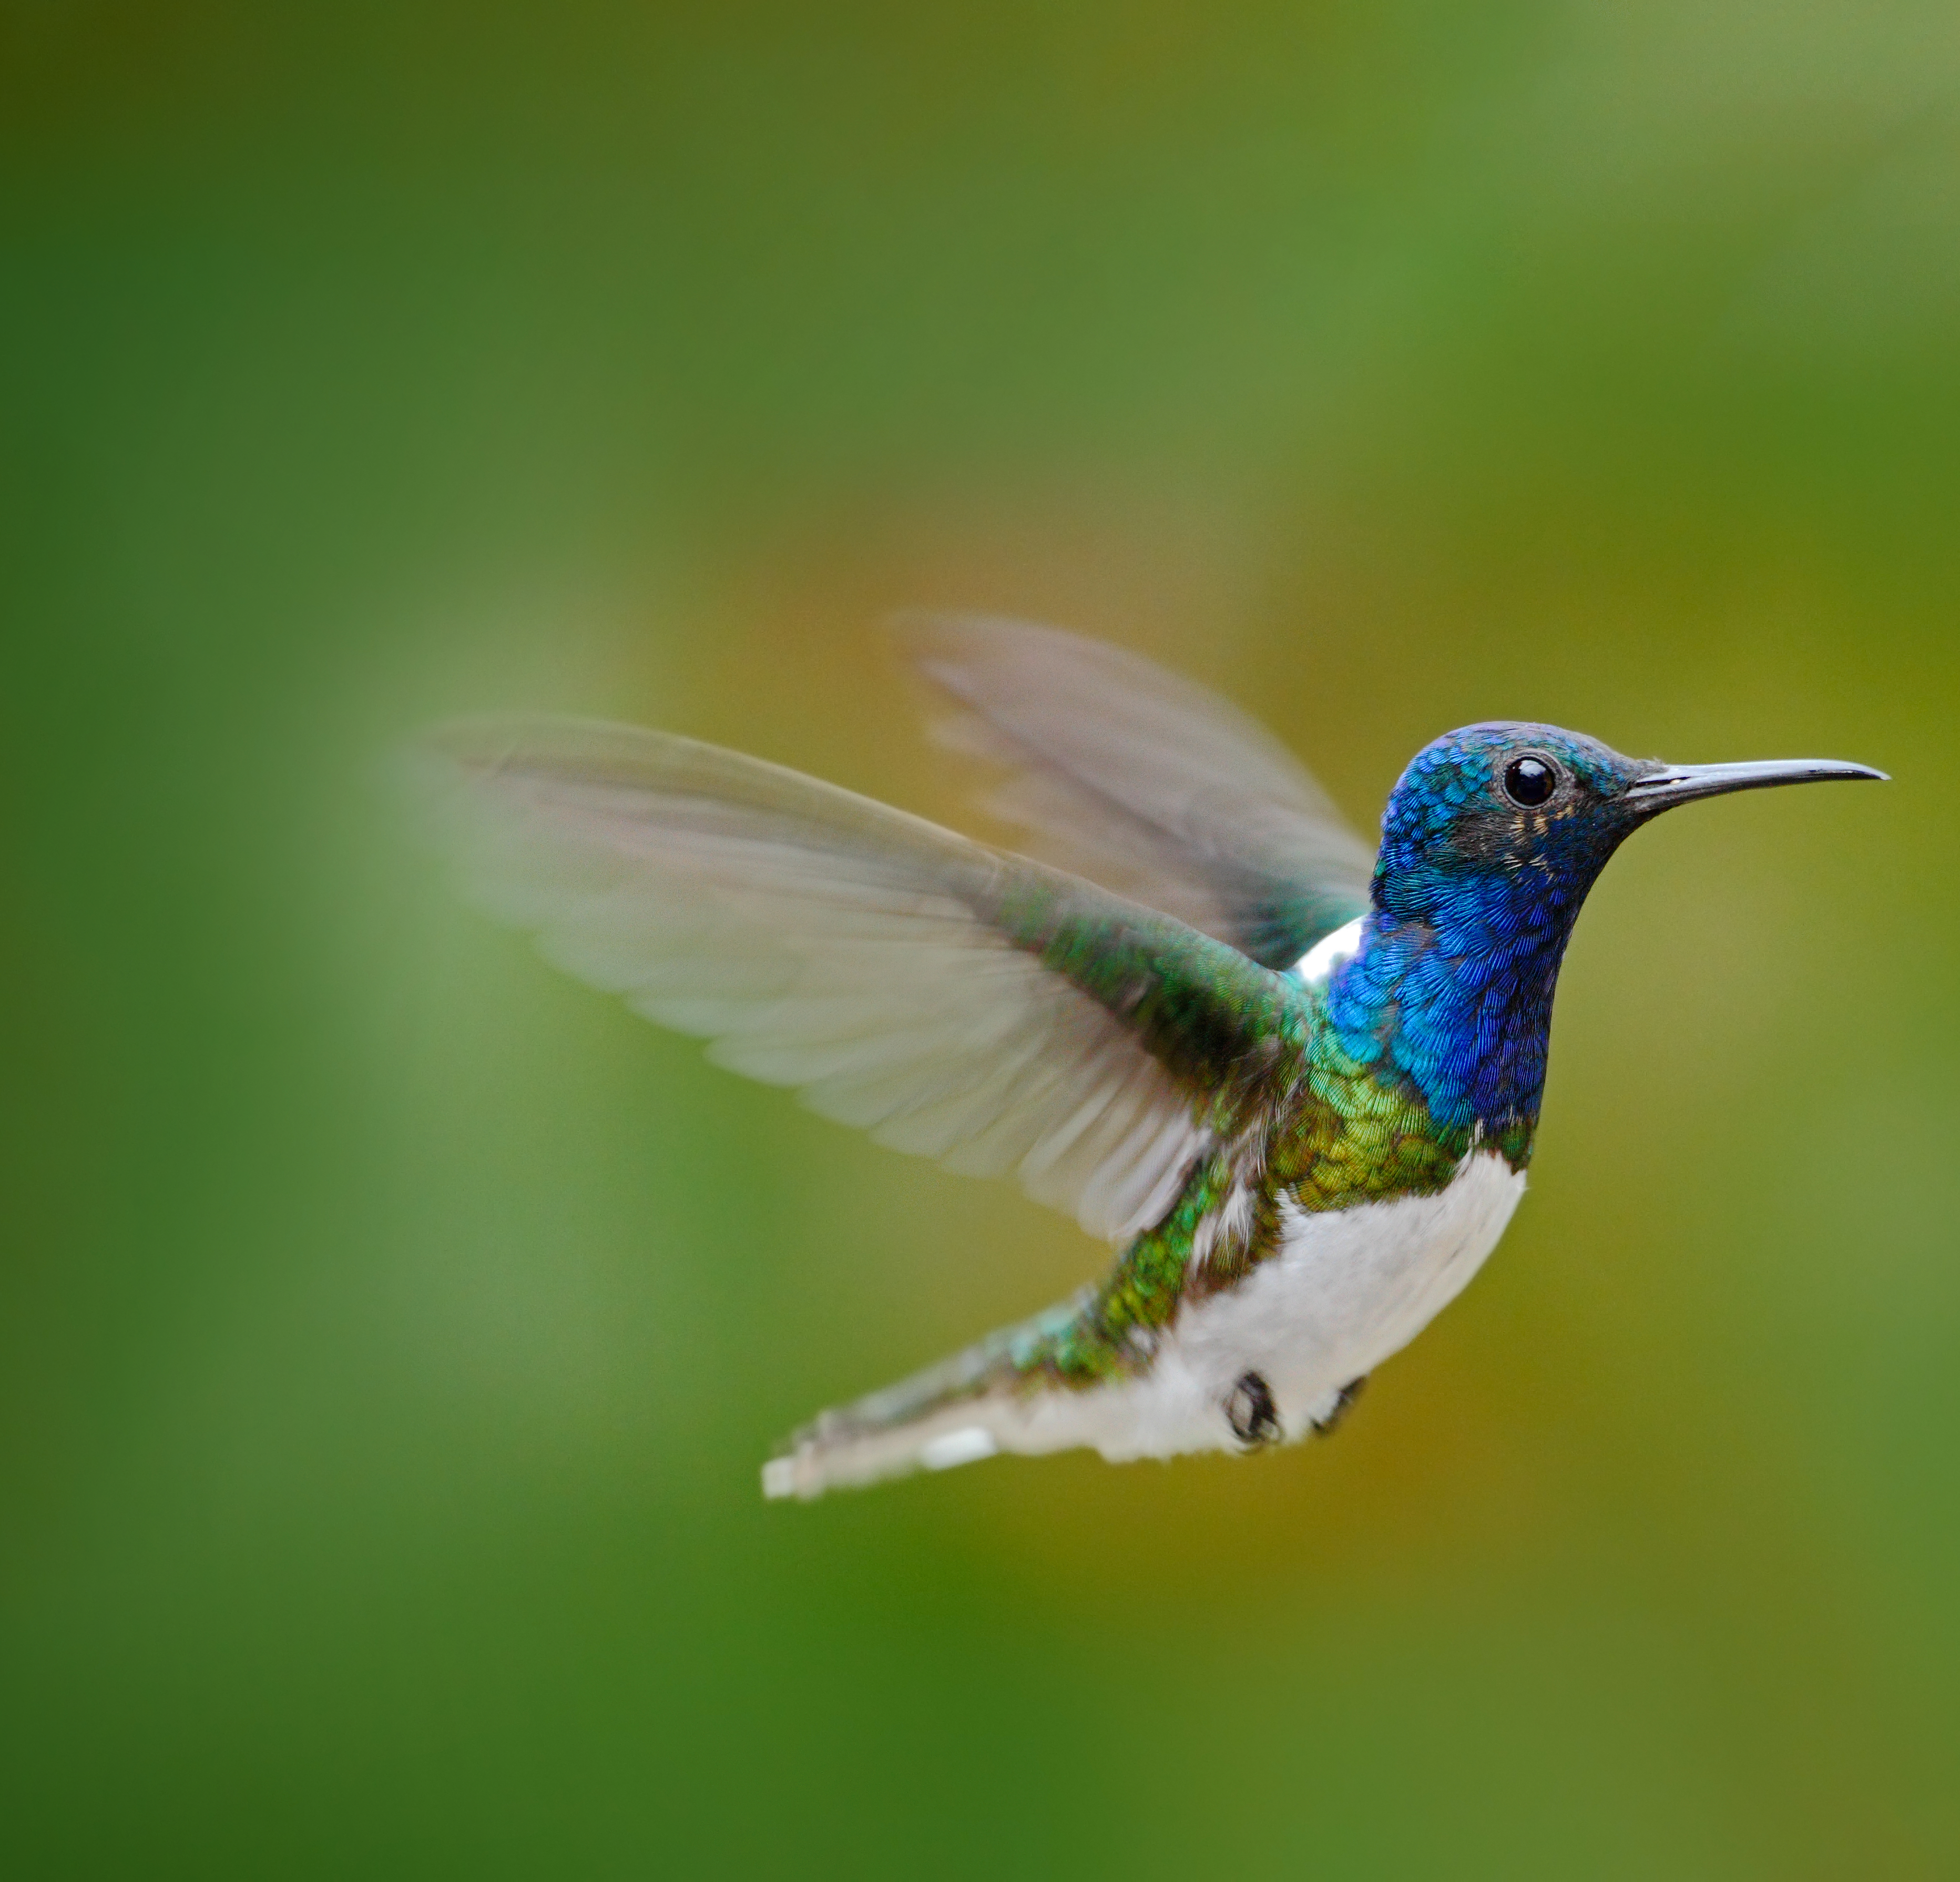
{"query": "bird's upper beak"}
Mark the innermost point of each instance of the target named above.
(1667, 785)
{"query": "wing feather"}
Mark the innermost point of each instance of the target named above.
(956, 1002)
(1148, 783)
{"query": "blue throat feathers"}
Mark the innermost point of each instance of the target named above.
(1472, 908)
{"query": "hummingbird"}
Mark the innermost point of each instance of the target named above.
(1293, 1083)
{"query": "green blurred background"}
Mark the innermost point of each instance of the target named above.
(390, 1330)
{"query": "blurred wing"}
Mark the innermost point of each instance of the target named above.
(1149, 784)
(957, 1002)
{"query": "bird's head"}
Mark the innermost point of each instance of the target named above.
(1497, 831)
(1490, 841)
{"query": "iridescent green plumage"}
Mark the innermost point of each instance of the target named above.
(1328, 1132)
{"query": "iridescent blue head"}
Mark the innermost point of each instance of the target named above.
(1490, 841)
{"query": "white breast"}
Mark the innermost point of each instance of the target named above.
(1349, 1287)
(1346, 1288)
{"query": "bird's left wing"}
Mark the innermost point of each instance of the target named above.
(958, 1002)
(1148, 783)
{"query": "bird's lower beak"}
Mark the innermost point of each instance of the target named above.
(1670, 784)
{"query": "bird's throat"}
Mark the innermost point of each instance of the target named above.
(1460, 1010)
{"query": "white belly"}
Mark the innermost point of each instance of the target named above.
(1347, 1289)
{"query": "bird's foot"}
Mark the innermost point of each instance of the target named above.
(1337, 1410)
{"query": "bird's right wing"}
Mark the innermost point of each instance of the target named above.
(1149, 784)
(957, 1002)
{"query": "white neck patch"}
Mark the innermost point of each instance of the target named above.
(1328, 952)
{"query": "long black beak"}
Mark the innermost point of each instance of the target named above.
(1662, 789)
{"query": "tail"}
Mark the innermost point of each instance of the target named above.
(978, 1403)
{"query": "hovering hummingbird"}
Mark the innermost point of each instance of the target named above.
(1295, 1085)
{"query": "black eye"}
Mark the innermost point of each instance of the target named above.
(1529, 781)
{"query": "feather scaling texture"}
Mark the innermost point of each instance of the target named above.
(1148, 783)
(956, 1002)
